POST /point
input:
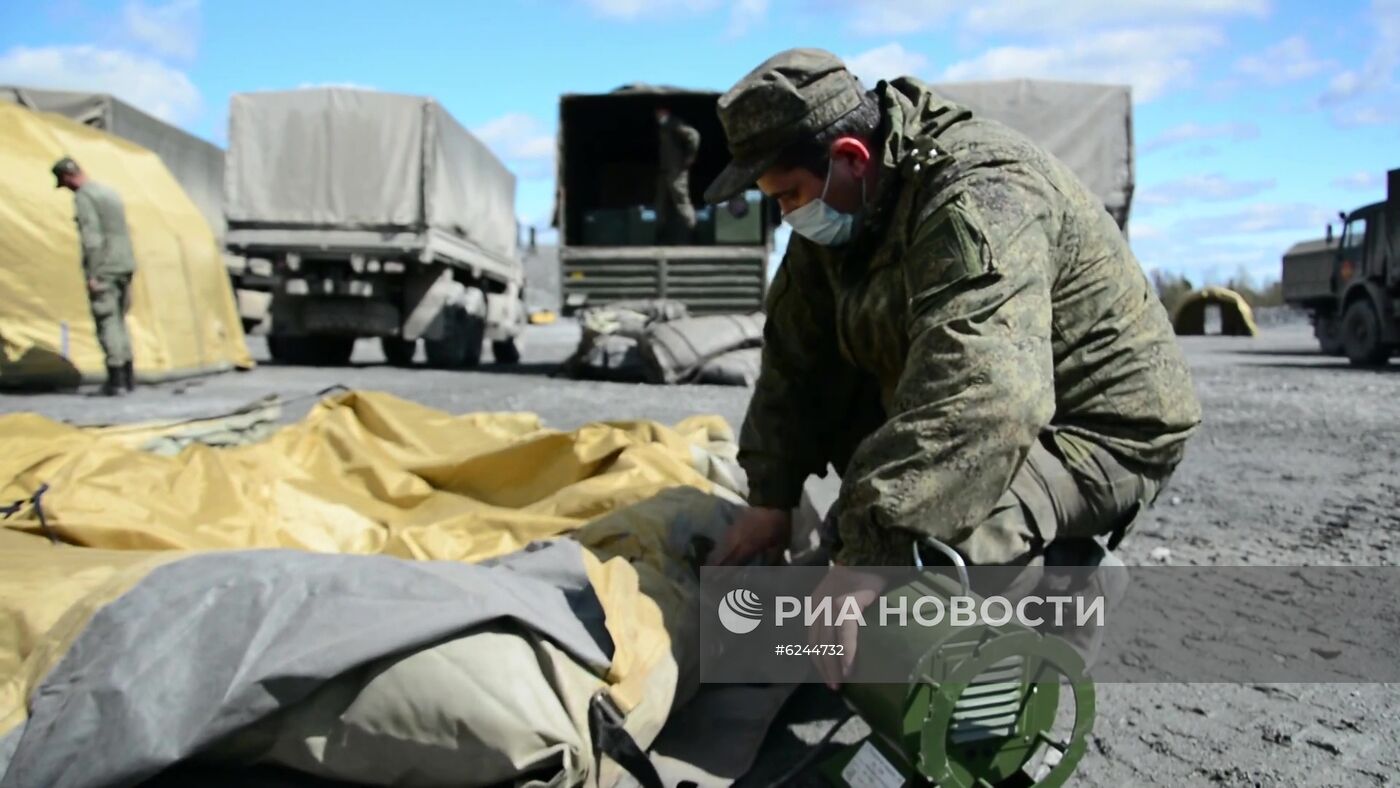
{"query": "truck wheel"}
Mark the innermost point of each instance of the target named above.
(1329, 336)
(399, 352)
(311, 351)
(1361, 332)
(460, 346)
(506, 351)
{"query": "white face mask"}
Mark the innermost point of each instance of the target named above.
(820, 223)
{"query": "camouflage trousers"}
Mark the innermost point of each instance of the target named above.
(675, 216)
(110, 301)
(1067, 495)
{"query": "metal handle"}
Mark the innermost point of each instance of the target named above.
(958, 563)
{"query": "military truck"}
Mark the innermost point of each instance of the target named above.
(608, 152)
(1087, 126)
(382, 217)
(1349, 284)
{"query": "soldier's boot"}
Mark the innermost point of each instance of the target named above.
(129, 376)
(113, 387)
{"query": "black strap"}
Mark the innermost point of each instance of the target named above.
(613, 740)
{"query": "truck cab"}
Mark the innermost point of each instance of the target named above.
(1349, 282)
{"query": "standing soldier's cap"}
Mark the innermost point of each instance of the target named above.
(62, 167)
(789, 97)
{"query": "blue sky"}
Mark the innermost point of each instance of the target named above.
(1256, 120)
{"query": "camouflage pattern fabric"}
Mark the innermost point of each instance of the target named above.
(101, 219)
(988, 305)
(675, 216)
(110, 301)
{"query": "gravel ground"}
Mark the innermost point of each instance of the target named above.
(1295, 465)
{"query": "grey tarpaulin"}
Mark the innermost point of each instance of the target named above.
(735, 368)
(207, 645)
(196, 164)
(359, 159)
(676, 350)
(1089, 127)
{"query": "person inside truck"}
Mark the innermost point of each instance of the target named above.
(958, 326)
(679, 144)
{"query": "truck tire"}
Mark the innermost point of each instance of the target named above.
(505, 351)
(311, 351)
(1361, 333)
(461, 343)
(399, 352)
(1329, 336)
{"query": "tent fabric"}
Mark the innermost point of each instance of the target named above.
(1089, 127)
(198, 165)
(1236, 318)
(155, 551)
(676, 350)
(358, 159)
(183, 319)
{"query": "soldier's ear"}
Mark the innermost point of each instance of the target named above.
(854, 151)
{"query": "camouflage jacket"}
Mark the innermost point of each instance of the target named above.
(102, 230)
(986, 296)
(680, 143)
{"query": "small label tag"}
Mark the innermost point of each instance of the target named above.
(870, 769)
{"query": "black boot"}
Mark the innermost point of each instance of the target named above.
(129, 376)
(113, 387)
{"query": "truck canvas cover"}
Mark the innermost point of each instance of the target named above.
(198, 165)
(343, 159)
(1089, 127)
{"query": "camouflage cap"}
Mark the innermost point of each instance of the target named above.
(790, 96)
(62, 167)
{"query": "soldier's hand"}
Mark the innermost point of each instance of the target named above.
(93, 285)
(841, 583)
(757, 532)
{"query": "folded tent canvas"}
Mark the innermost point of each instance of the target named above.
(183, 319)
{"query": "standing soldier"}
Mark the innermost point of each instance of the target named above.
(108, 265)
(958, 325)
(680, 142)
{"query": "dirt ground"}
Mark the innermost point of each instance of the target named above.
(1296, 464)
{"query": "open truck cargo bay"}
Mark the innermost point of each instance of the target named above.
(608, 159)
(608, 163)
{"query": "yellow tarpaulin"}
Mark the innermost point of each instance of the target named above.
(362, 473)
(183, 318)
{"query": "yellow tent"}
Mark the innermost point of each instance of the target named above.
(183, 320)
(1236, 318)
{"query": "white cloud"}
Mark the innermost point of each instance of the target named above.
(1350, 118)
(902, 17)
(145, 82)
(886, 62)
(1287, 61)
(1365, 180)
(1151, 60)
(522, 141)
(1195, 132)
(1256, 218)
(1377, 73)
(1214, 187)
(745, 15)
(170, 30)
(631, 10)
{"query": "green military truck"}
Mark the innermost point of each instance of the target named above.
(382, 217)
(609, 248)
(1349, 284)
